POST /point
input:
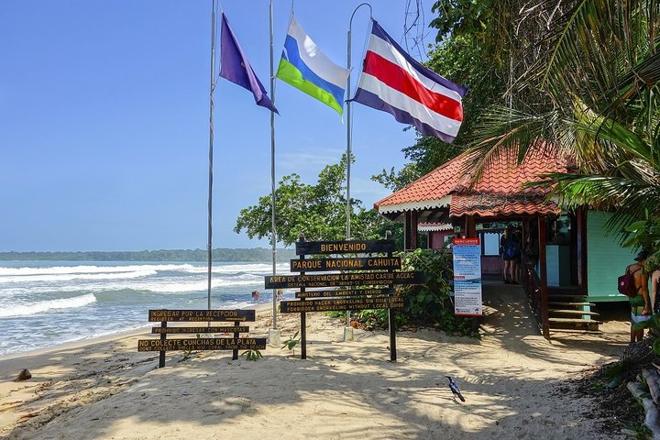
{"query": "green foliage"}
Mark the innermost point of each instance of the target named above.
(252, 355)
(645, 234)
(373, 319)
(592, 93)
(431, 303)
(467, 58)
(291, 343)
(426, 305)
(316, 210)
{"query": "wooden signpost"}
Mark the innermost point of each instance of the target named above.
(236, 343)
(343, 279)
(368, 281)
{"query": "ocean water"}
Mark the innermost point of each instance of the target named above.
(45, 303)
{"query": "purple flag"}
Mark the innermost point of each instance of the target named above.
(236, 68)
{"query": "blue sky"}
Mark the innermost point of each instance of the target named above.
(104, 120)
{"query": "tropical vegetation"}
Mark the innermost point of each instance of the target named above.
(426, 305)
(576, 76)
(316, 210)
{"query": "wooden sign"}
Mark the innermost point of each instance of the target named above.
(202, 344)
(201, 315)
(343, 279)
(329, 264)
(343, 292)
(343, 247)
(194, 330)
(327, 305)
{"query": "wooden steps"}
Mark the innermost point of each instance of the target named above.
(558, 297)
(567, 312)
(574, 320)
(572, 312)
(575, 324)
(560, 303)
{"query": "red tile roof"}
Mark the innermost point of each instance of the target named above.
(427, 191)
(493, 205)
(500, 190)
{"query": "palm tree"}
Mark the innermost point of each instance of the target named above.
(594, 75)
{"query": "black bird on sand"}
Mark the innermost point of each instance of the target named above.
(453, 386)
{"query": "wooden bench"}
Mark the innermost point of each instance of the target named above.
(236, 343)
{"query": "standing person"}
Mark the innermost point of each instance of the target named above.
(510, 249)
(655, 286)
(640, 304)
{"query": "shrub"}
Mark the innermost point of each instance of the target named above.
(429, 304)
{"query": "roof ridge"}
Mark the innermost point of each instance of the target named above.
(422, 178)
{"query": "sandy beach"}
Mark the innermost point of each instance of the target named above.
(510, 378)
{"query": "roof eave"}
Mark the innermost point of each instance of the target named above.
(422, 205)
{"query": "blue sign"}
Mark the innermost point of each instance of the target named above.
(467, 277)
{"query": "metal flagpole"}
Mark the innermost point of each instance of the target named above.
(349, 135)
(274, 336)
(211, 136)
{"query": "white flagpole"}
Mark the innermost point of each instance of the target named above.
(273, 334)
(211, 137)
(349, 145)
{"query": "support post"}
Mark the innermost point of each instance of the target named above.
(209, 244)
(163, 337)
(348, 330)
(581, 220)
(391, 314)
(543, 278)
(273, 334)
(303, 318)
(410, 231)
(234, 353)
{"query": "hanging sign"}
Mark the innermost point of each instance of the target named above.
(201, 315)
(202, 344)
(343, 279)
(467, 277)
(330, 264)
(343, 247)
(327, 305)
(344, 292)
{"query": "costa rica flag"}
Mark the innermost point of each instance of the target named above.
(394, 82)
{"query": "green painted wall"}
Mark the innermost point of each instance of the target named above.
(606, 259)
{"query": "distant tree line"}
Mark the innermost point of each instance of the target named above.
(220, 254)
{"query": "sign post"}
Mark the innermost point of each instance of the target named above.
(467, 277)
(236, 343)
(359, 282)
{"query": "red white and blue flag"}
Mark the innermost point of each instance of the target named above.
(394, 82)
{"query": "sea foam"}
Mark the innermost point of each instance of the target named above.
(45, 306)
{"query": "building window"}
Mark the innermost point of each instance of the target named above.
(491, 243)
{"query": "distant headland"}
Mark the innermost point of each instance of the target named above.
(219, 254)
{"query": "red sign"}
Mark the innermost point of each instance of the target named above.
(466, 241)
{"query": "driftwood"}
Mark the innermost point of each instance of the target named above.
(652, 418)
(653, 381)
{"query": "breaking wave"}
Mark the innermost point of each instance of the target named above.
(45, 306)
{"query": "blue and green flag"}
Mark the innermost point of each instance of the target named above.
(306, 68)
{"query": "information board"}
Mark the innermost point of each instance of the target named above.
(201, 315)
(343, 279)
(327, 305)
(361, 280)
(163, 344)
(343, 247)
(336, 293)
(331, 264)
(202, 344)
(467, 277)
